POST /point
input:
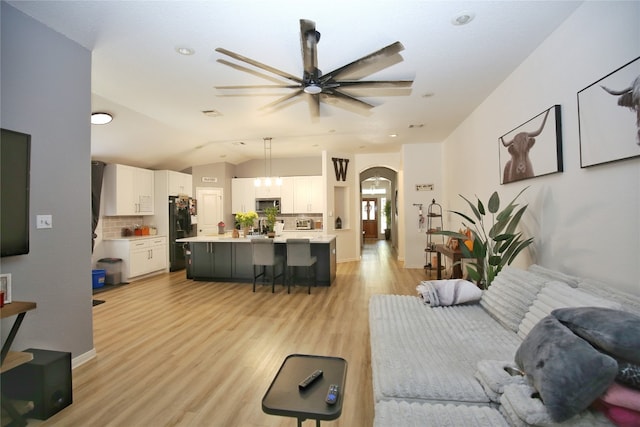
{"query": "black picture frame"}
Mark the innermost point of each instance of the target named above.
(532, 149)
(609, 117)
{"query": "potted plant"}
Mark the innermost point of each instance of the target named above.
(246, 220)
(387, 216)
(493, 248)
(271, 213)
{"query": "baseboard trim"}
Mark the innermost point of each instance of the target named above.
(83, 358)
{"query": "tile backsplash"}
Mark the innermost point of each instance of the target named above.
(112, 225)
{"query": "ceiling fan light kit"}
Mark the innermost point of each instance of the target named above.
(320, 87)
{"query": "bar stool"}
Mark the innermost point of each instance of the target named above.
(263, 253)
(299, 255)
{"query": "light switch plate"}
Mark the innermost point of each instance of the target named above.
(44, 221)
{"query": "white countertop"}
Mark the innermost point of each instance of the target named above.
(313, 237)
(136, 237)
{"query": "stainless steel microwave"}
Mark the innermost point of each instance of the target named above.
(262, 204)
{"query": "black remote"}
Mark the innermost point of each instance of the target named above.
(332, 394)
(310, 379)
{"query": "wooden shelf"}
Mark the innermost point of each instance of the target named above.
(16, 307)
(14, 359)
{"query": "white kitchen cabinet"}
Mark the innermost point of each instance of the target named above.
(243, 195)
(268, 192)
(140, 256)
(307, 194)
(286, 196)
(180, 183)
(128, 190)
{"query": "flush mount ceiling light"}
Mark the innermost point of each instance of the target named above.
(211, 113)
(463, 18)
(100, 118)
(186, 51)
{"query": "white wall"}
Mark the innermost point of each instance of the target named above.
(421, 164)
(46, 92)
(585, 222)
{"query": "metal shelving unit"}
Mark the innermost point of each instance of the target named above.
(434, 223)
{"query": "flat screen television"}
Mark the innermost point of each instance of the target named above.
(15, 164)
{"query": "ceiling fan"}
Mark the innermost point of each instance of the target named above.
(320, 87)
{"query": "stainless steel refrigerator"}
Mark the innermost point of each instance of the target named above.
(181, 212)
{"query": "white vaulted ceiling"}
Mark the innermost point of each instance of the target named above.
(158, 96)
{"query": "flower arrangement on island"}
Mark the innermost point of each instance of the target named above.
(246, 219)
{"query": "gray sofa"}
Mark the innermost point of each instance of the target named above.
(452, 365)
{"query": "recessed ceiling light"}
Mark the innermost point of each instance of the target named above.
(100, 118)
(183, 50)
(393, 135)
(416, 126)
(238, 143)
(463, 18)
(211, 113)
(428, 95)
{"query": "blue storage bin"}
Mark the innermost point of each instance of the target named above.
(98, 278)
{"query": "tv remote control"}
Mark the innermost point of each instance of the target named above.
(332, 394)
(310, 379)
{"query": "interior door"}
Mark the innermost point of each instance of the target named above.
(209, 201)
(370, 217)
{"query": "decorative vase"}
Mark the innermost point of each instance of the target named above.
(235, 234)
(245, 230)
(271, 234)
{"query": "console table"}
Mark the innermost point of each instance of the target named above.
(455, 255)
(12, 359)
(284, 398)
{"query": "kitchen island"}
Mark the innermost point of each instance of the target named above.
(223, 258)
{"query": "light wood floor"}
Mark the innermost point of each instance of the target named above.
(174, 352)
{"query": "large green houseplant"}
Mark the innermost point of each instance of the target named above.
(387, 217)
(495, 247)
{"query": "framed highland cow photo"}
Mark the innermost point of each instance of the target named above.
(609, 117)
(532, 149)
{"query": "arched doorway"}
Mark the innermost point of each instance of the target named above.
(378, 190)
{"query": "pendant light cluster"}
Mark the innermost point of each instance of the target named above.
(267, 180)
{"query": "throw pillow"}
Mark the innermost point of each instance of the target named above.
(614, 331)
(628, 374)
(568, 373)
(620, 395)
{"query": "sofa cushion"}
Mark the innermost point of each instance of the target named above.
(400, 413)
(614, 331)
(566, 370)
(510, 295)
(558, 295)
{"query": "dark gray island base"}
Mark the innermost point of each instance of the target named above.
(229, 260)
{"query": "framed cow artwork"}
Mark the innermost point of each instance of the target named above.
(609, 117)
(532, 149)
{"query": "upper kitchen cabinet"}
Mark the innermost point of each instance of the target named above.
(128, 190)
(286, 196)
(307, 194)
(243, 195)
(268, 191)
(180, 183)
(172, 183)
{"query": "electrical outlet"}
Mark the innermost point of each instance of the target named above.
(44, 221)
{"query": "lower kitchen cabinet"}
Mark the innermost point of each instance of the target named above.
(211, 260)
(140, 256)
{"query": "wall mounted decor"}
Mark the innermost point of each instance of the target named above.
(532, 149)
(609, 117)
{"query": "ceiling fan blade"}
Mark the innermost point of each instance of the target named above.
(350, 99)
(373, 83)
(254, 72)
(314, 105)
(280, 102)
(367, 60)
(259, 65)
(309, 39)
(259, 87)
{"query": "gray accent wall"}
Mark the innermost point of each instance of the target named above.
(46, 92)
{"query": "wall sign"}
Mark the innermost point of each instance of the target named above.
(209, 179)
(424, 187)
(340, 167)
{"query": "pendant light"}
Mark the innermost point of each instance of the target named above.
(267, 180)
